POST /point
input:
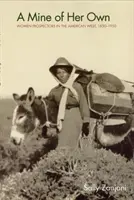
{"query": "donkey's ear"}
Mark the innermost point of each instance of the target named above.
(16, 98)
(30, 96)
(40, 97)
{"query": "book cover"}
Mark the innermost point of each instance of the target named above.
(96, 37)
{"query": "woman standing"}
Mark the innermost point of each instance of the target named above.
(73, 115)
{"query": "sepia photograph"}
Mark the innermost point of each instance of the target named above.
(67, 100)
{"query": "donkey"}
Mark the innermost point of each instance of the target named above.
(34, 112)
(31, 113)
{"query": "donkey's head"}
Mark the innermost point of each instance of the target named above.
(29, 114)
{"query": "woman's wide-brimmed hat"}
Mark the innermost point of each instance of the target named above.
(63, 62)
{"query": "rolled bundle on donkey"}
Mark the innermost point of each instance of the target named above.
(111, 103)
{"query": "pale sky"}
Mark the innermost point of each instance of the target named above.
(27, 53)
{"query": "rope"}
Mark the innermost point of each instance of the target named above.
(47, 123)
(106, 114)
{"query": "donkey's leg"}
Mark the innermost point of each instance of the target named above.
(131, 141)
(128, 147)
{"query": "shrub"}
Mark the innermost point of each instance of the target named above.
(15, 158)
(74, 175)
(9, 189)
